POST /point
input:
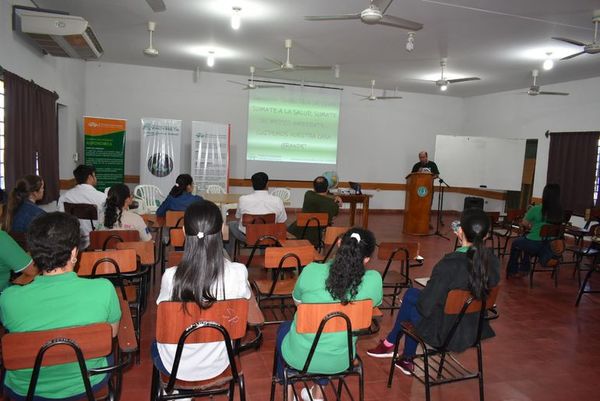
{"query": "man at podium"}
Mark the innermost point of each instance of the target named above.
(425, 165)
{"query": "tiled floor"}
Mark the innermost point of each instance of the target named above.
(545, 348)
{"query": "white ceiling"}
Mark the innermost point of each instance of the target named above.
(498, 41)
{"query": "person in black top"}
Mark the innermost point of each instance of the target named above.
(425, 165)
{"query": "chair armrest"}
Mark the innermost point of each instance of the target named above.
(255, 315)
(126, 336)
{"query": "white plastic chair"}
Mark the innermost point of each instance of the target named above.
(226, 207)
(214, 189)
(149, 195)
(282, 193)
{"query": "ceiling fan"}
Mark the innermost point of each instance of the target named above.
(288, 66)
(534, 89)
(157, 5)
(589, 48)
(150, 50)
(443, 83)
(374, 14)
(252, 85)
(372, 95)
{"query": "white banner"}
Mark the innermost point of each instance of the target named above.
(210, 155)
(160, 153)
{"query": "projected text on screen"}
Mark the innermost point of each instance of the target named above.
(293, 124)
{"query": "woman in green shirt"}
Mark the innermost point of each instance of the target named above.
(531, 244)
(343, 280)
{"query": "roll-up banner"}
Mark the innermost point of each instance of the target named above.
(160, 153)
(210, 155)
(104, 148)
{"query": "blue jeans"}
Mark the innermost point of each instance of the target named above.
(234, 233)
(526, 248)
(408, 313)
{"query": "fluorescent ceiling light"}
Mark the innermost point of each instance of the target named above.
(210, 59)
(236, 19)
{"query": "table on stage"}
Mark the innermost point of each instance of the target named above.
(353, 200)
(221, 199)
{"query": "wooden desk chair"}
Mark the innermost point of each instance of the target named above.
(396, 274)
(177, 236)
(508, 229)
(275, 293)
(591, 268)
(330, 239)
(552, 234)
(174, 258)
(145, 252)
(315, 222)
(582, 249)
(32, 350)
(83, 211)
(108, 239)
(438, 365)
(20, 238)
(259, 237)
(247, 220)
(320, 319)
(184, 324)
(173, 219)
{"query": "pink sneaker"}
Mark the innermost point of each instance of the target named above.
(381, 351)
(406, 366)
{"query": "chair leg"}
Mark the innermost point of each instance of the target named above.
(361, 384)
(274, 376)
(394, 358)
(242, 388)
(480, 366)
(154, 387)
(582, 288)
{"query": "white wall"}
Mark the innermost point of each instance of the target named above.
(62, 75)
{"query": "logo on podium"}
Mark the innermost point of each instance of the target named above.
(422, 191)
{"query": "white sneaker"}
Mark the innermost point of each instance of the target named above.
(306, 397)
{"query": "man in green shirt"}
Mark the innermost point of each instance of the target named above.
(13, 258)
(56, 299)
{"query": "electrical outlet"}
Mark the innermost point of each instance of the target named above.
(75, 157)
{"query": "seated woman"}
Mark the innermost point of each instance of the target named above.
(21, 209)
(117, 215)
(203, 276)
(471, 267)
(343, 280)
(180, 196)
(56, 299)
(531, 244)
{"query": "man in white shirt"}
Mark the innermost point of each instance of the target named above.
(84, 192)
(258, 202)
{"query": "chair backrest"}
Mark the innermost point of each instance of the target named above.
(108, 239)
(19, 350)
(248, 218)
(514, 215)
(494, 217)
(295, 256)
(174, 258)
(177, 236)
(255, 232)
(283, 193)
(309, 316)
(333, 233)
(305, 219)
(398, 250)
(549, 231)
(172, 318)
(20, 238)
(457, 299)
(84, 211)
(150, 195)
(215, 189)
(105, 261)
(143, 249)
(174, 218)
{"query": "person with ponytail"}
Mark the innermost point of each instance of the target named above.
(531, 244)
(203, 276)
(117, 215)
(180, 196)
(471, 267)
(21, 208)
(344, 280)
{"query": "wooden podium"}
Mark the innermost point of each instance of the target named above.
(417, 205)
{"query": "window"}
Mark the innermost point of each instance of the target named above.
(2, 184)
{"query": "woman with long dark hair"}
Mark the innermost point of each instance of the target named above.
(117, 215)
(344, 280)
(203, 277)
(531, 244)
(21, 207)
(180, 196)
(471, 267)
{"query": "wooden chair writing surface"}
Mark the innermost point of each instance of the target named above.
(396, 274)
(108, 239)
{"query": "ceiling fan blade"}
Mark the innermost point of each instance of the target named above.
(273, 69)
(397, 22)
(360, 94)
(454, 81)
(157, 5)
(274, 61)
(269, 86)
(238, 83)
(382, 5)
(573, 55)
(313, 67)
(571, 41)
(553, 93)
(388, 97)
(331, 17)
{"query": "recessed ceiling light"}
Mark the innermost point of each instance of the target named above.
(548, 63)
(210, 59)
(236, 18)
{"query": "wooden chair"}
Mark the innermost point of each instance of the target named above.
(332, 235)
(272, 293)
(173, 219)
(174, 258)
(259, 237)
(247, 220)
(184, 324)
(321, 319)
(591, 268)
(582, 250)
(145, 252)
(508, 229)
(313, 221)
(177, 236)
(438, 365)
(395, 278)
(20, 238)
(552, 234)
(108, 239)
(83, 211)
(32, 350)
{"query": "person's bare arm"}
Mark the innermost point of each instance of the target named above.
(115, 329)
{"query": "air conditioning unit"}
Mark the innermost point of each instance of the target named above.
(58, 34)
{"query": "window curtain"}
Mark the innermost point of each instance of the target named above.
(31, 128)
(572, 165)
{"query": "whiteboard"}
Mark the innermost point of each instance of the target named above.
(480, 162)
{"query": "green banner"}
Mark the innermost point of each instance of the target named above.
(104, 147)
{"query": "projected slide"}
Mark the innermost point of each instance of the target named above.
(293, 124)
